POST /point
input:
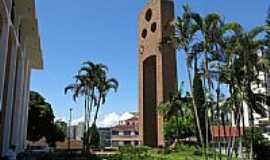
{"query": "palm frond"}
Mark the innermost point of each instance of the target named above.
(69, 87)
(232, 26)
(256, 31)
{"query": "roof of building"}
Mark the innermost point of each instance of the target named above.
(226, 131)
(29, 26)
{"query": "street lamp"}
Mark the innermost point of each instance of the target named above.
(69, 137)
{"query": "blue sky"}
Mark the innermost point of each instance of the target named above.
(105, 31)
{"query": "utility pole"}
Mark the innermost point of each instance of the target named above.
(69, 137)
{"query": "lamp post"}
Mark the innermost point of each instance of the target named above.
(69, 137)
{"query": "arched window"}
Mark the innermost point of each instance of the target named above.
(144, 33)
(148, 15)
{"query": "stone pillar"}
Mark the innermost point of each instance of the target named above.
(18, 104)
(8, 93)
(4, 35)
(3, 54)
(25, 102)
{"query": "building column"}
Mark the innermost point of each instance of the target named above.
(3, 57)
(18, 105)
(4, 35)
(25, 104)
(8, 95)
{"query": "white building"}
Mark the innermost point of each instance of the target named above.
(75, 132)
(20, 52)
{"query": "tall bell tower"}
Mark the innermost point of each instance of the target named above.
(157, 68)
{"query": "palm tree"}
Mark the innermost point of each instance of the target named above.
(104, 86)
(243, 59)
(94, 73)
(185, 30)
(252, 64)
(80, 88)
(91, 83)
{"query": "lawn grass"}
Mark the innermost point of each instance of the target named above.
(182, 152)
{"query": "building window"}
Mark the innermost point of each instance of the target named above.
(115, 143)
(115, 133)
(127, 133)
(136, 143)
(121, 133)
(127, 142)
(136, 133)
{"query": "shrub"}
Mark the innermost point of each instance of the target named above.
(135, 153)
(261, 146)
(198, 151)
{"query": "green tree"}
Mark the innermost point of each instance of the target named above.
(93, 84)
(261, 145)
(41, 121)
(58, 133)
(199, 97)
(179, 118)
(185, 29)
(95, 139)
(81, 87)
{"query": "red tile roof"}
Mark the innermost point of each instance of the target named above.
(229, 131)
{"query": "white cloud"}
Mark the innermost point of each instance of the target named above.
(107, 120)
(125, 116)
(77, 121)
(60, 119)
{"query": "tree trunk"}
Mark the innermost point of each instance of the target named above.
(224, 129)
(252, 134)
(89, 109)
(96, 115)
(194, 103)
(240, 149)
(178, 128)
(218, 110)
(206, 135)
(85, 124)
(87, 127)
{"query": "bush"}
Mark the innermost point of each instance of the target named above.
(198, 151)
(135, 153)
(112, 157)
(261, 146)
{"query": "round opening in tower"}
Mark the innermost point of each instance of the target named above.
(148, 15)
(144, 33)
(154, 27)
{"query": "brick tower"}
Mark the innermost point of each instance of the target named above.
(157, 68)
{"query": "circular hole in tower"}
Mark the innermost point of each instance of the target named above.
(144, 34)
(154, 27)
(148, 15)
